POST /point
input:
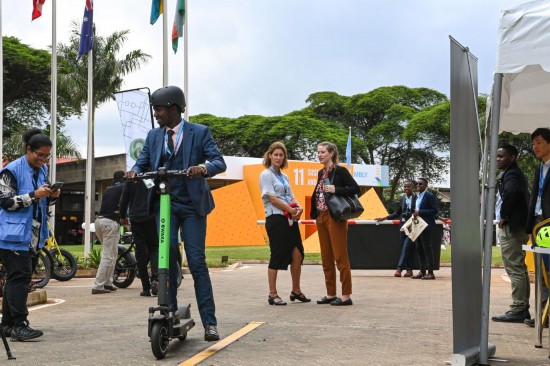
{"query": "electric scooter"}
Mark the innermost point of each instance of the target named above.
(164, 324)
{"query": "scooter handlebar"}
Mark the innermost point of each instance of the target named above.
(162, 173)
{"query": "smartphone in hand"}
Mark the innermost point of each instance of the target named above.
(55, 187)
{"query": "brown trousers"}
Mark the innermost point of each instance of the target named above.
(333, 238)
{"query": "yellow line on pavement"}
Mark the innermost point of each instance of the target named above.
(210, 351)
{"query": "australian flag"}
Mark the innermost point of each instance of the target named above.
(86, 33)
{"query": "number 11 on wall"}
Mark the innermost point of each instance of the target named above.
(299, 177)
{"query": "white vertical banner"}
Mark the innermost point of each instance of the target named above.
(136, 120)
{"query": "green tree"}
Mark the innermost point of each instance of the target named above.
(252, 135)
(27, 89)
(388, 121)
(14, 147)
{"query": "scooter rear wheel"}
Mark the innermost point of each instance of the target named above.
(159, 339)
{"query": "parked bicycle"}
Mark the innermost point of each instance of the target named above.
(126, 269)
(63, 263)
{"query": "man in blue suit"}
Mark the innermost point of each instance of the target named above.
(179, 144)
(426, 208)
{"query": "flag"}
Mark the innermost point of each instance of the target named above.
(177, 28)
(348, 149)
(157, 8)
(37, 8)
(86, 33)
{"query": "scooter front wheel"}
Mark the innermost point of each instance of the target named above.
(159, 339)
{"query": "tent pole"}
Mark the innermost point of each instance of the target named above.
(490, 210)
(484, 157)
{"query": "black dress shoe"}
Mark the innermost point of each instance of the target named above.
(512, 317)
(301, 297)
(271, 300)
(211, 333)
(340, 302)
(326, 300)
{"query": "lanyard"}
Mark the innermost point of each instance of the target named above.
(36, 205)
(541, 180)
(170, 153)
(280, 177)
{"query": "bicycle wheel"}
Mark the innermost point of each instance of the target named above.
(42, 271)
(64, 264)
(125, 269)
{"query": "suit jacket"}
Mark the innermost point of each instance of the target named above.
(344, 184)
(402, 208)
(428, 208)
(515, 196)
(197, 147)
(545, 200)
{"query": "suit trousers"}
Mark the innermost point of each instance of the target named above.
(147, 249)
(333, 239)
(513, 258)
(425, 250)
(193, 230)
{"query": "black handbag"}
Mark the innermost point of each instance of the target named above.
(343, 208)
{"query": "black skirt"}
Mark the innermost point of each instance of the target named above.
(282, 241)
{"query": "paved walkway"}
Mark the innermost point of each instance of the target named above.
(394, 321)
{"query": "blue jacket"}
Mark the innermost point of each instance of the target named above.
(427, 208)
(16, 226)
(198, 147)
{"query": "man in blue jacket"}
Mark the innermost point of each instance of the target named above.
(426, 208)
(180, 144)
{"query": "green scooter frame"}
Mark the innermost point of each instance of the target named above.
(164, 324)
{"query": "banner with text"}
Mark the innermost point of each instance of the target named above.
(136, 119)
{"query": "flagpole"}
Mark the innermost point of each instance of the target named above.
(53, 108)
(89, 195)
(185, 59)
(164, 44)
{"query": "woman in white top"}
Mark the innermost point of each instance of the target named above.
(281, 211)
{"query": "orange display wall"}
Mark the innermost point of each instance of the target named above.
(239, 206)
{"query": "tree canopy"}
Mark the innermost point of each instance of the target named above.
(27, 87)
(405, 128)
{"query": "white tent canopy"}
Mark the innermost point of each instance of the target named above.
(523, 57)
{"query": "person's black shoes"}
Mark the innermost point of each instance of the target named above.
(340, 302)
(145, 293)
(154, 288)
(531, 323)
(211, 333)
(98, 291)
(24, 333)
(513, 316)
(326, 300)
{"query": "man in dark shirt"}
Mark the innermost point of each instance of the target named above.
(511, 216)
(133, 204)
(107, 229)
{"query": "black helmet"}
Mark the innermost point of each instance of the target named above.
(167, 96)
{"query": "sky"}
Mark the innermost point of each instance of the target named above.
(265, 57)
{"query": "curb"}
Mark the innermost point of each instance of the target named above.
(35, 298)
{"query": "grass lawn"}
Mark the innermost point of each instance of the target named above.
(244, 253)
